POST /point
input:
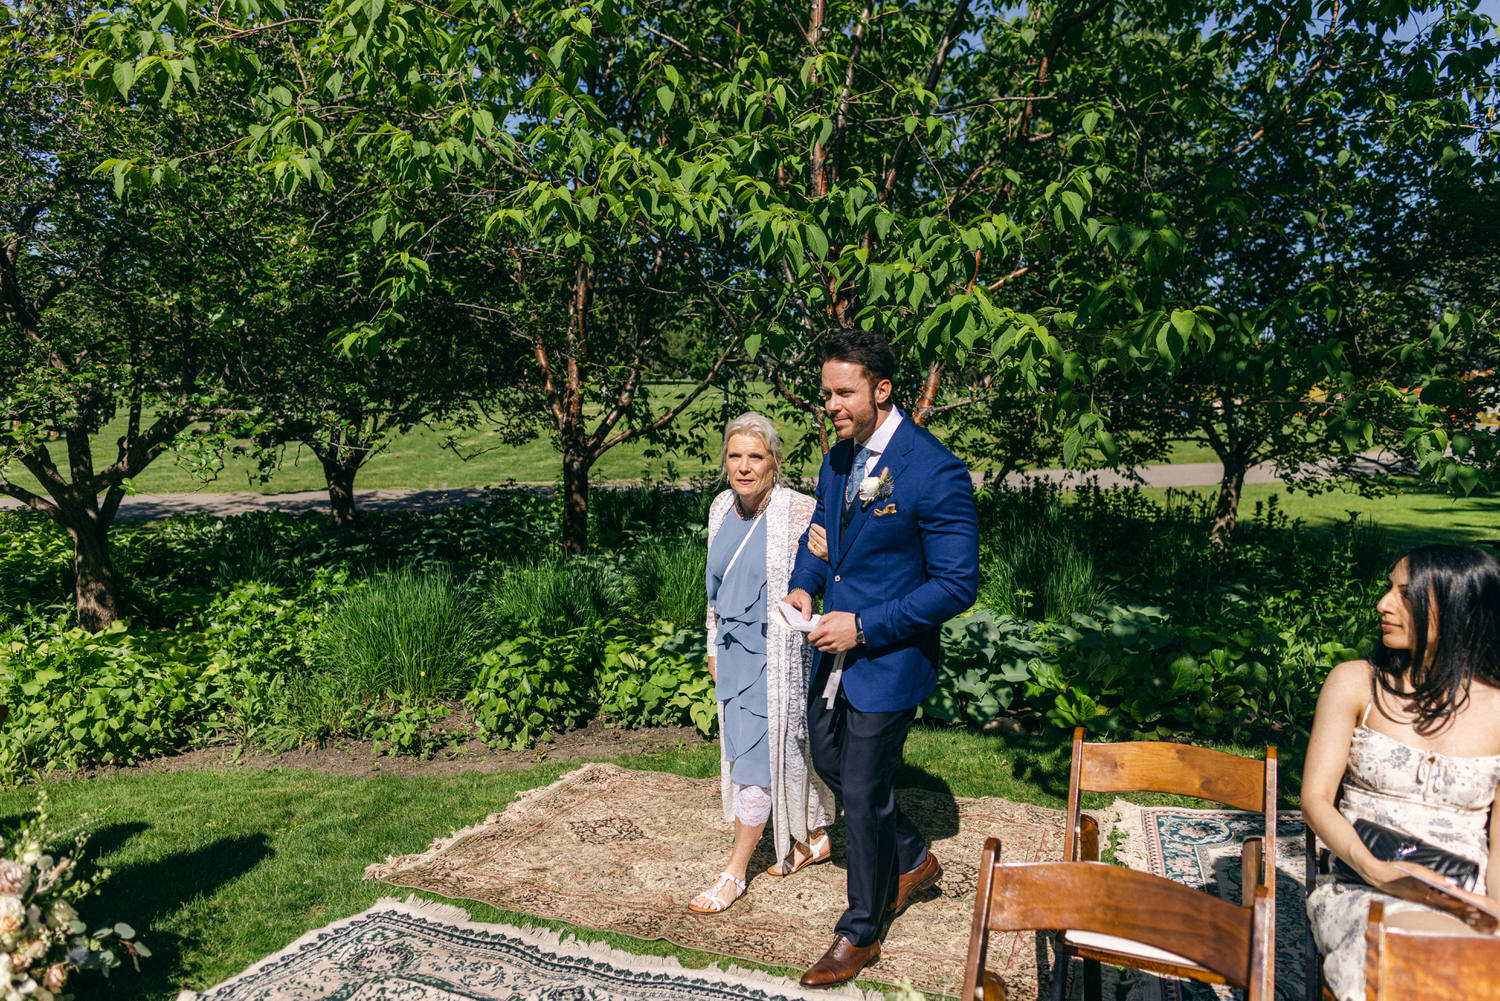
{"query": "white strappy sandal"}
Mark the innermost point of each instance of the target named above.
(819, 849)
(712, 900)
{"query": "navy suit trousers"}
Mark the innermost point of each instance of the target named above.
(857, 754)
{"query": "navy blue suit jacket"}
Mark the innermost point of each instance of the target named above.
(908, 562)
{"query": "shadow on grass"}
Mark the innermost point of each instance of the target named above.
(109, 839)
(145, 895)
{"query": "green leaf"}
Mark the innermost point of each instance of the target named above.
(1073, 202)
(1184, 320)
(124, 78)
(817, 242)
(665, 95)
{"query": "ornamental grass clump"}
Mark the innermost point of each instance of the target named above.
(406, 633)
(578, 592)
(1040, 572)
(666, 580)
(43, 941)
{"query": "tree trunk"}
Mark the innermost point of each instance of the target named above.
(922, 411)
(575, 517)
(340, 476)
(96, 586)
(1227, 509)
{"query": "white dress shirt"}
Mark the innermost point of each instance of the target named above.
(878, 442)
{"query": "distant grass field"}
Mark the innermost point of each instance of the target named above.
(1415, 514)
(428, 458)
(445, 456)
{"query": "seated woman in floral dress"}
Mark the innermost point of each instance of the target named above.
(1408, 740)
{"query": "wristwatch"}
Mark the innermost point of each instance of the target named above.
(859, 630)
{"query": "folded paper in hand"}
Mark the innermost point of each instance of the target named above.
(794, 619)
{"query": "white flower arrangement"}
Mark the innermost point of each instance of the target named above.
(873, 488)
(42, 940)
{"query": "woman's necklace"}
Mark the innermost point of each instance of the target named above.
(758, 508)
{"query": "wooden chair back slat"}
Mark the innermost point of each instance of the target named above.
(1232, 941)
(1402, 965)
(1127, 903)
(1152, 766)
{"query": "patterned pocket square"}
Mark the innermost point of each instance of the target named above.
(888, 509)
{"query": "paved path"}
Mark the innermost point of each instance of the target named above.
(147, 507)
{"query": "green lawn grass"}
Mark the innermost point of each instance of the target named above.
(1416, 513)
(478, 457)
(216, 869)
(431, 458)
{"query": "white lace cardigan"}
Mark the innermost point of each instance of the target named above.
(800, 801)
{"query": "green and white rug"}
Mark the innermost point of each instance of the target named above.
(1201, 848)
(425, 951)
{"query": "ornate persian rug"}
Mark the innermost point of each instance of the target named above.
(422, 951)
(624, 851)
(1202, 848)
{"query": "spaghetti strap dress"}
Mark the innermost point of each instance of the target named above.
(1439, 798)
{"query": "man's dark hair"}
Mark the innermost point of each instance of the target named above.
(862, 347)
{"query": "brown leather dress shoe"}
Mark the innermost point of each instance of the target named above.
(840, 963)
(909, 884)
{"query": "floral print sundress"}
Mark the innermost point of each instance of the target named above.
(1442, 799)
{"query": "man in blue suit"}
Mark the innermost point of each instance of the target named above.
(894, 549)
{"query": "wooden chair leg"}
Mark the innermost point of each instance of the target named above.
(1093, 981)
(1060, 976)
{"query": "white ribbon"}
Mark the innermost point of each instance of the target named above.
(831, 690)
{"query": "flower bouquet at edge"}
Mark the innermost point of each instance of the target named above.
(42, 940)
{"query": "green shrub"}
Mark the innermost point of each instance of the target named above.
(404, 632)
(568, 593)
(112, 697)
(534, 682)
(986, 657)
(619, 515)
(657, 678)
(1039, 570)
(36, 566)
(666, 580)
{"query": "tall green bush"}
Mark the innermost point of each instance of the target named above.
(665, 579)
(575, 593)
(404, 633)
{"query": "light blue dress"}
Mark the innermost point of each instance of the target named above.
(739, 604)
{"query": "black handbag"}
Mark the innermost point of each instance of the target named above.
(1393, 846)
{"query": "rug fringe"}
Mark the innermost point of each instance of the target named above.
(434, 909)
(395, 863)
(1130, 821)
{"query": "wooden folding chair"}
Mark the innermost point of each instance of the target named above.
(1175, 925)
(1317, 860)
(1402, 964)
(1181, 769)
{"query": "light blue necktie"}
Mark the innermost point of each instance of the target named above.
(856, 474)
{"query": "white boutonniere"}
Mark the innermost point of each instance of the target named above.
(873, 488)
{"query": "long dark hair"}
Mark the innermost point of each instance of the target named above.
(1459, 587)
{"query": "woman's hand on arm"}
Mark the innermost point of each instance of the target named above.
(817, 542)
(713, 668)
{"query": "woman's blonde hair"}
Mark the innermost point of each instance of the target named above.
(759, 425)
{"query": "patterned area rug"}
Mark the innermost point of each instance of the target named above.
(422, 951)
(623, 850)
(1202, 848)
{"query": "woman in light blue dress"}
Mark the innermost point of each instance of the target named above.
(759, 665)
